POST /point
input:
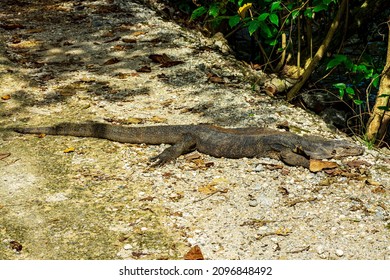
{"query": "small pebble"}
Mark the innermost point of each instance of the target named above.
(263, 228)
(192, 241)
(259, 168)
(127, 247)
(253, 203)
(321, 250)
(339, 253)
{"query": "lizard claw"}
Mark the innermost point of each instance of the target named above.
(155, 163)
(158, 160)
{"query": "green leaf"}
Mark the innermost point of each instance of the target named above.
(369, 74)
(275, 6)
(340, 86)
(320, 7)
(358, 101)
(362, 68)
(336, 60)
(265, 31)
(274, 19)
(350, 91)
(349, 64)
(198, 12)
(341, 93)
(375, 79)
(253, 26)
(295, 14)
(263, 17)
(271, 42)
(309, 13)
(214, 10)
(234, 20)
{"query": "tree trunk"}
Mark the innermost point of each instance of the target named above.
(320, 52)
(380, 118)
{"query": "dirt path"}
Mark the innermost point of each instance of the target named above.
(72, 198)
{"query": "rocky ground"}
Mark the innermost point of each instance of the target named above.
(74, 198)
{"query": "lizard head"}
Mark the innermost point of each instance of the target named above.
(333, 149)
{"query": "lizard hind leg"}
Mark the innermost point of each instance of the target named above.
(185, 145)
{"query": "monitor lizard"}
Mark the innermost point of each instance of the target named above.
(215, 141)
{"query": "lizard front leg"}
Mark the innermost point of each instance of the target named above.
(185, 145)
(294, 159)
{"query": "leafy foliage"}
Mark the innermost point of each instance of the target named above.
(284, 33)
(265, 20)
(362, 72)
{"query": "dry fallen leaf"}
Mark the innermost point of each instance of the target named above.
(164, 60)
(219, 181)
(372, 182)
(126, 75)
(4, 155)
(208, 189)
(318, 165)
(11, 26)
(15, 245)
(379, 189)
(156, 119)
(166, 103)
(272, 166)
(118, 48)
(6, 97)
(111, 61)
(138, 33)
(144, 69)
(147, 198)
(270, 90)
(215, 79)
(283, 231)
(193, 156)
(334, 172)
(159, 58)
(69, 150)
(134, 121)
(26, 44)
(177, 196)
(194, 254)
(128, 40)
(108, 34)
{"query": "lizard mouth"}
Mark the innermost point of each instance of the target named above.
(335, 152)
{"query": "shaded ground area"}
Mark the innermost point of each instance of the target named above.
(72, 198)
